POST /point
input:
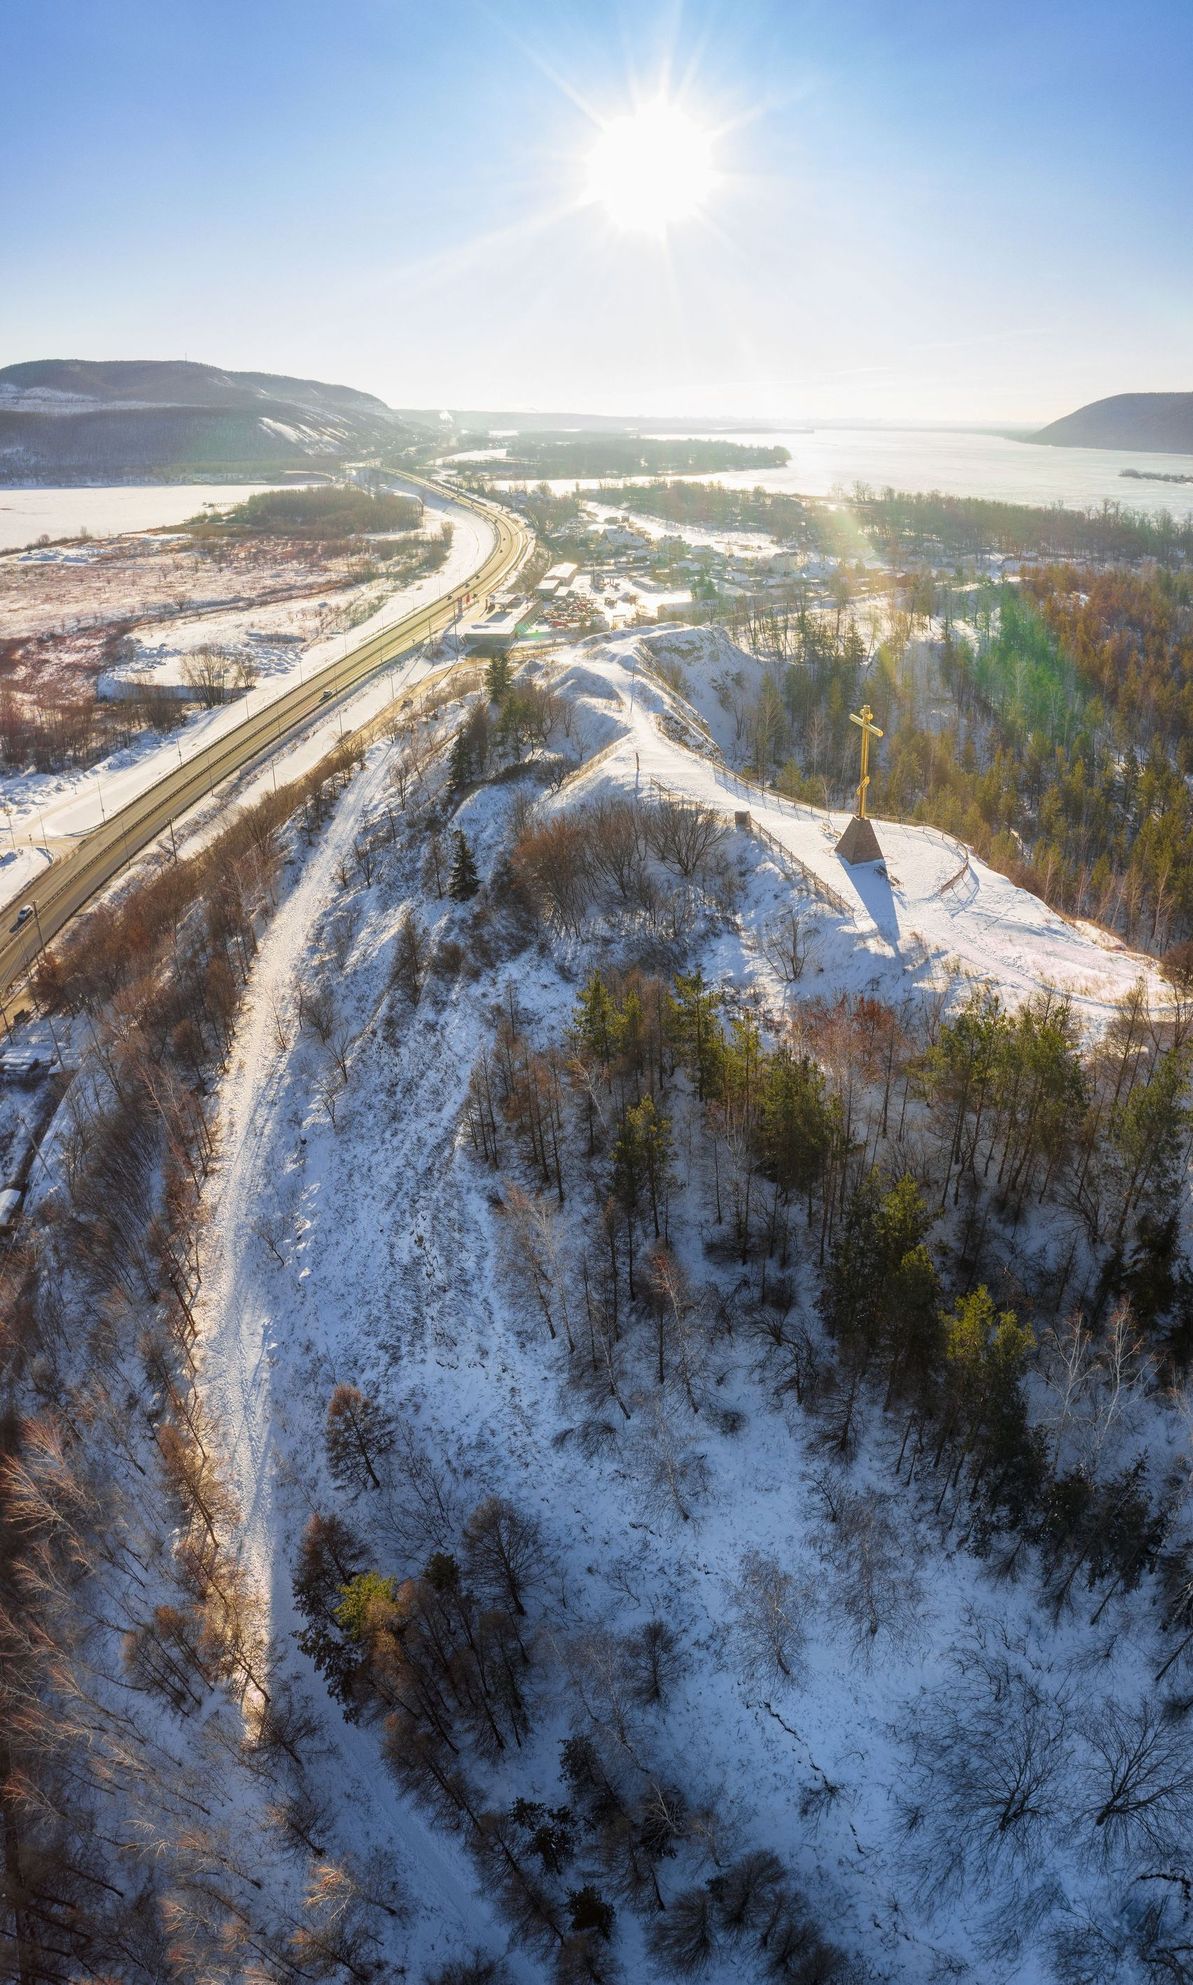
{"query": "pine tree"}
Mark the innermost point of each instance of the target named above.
(697, 1033)
(589, 1911)
(459, 765)
(799, 1123)
(464, 879)
(986, 1354)
(641, 1156)
(497, 678)
(596, 1021)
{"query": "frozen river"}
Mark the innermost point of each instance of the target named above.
(965, 463)
(28, 514)
(961, 462)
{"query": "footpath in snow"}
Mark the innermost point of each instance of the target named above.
(269, 1337)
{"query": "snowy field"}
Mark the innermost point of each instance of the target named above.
(741, 544)
(29, 514)
(354, 1235)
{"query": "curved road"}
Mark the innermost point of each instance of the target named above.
(101, 854)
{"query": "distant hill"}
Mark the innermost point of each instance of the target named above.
(1162, 423)
(82, 420)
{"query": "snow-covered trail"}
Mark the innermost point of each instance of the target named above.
(255, 1362)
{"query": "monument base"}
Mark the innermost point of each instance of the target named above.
(859, 843)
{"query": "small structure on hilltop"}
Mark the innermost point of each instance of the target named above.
(859, 842)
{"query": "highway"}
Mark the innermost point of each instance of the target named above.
(99, 856)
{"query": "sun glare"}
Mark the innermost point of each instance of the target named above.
(651, 168)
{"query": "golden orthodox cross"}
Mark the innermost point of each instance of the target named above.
(868, 730)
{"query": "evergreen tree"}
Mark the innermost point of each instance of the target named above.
(550, 1832)
(798, 1123)
(698, 1035)
(366, 1603)
(1157, 1282)
(464, 879)
(588, 1910)
(596, 1021)
(459, 764)
(1149, 1133)
(641, 1154)
(880, 1287)
(497, 678)
(959, 1070)
(986, 1354)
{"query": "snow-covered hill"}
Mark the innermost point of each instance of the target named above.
(66, 420)
(931, 903)
(356, 1234)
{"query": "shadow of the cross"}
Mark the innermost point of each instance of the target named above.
(871, 884)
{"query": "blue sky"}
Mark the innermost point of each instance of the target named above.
(928, 209)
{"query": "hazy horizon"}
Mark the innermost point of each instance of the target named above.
(865, 213)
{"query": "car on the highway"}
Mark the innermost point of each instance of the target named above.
(23, 916)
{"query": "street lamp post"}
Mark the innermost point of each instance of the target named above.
(41, 943)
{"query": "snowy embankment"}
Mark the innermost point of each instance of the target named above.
(21, 868)
(276, 1337)
(61, 806)
(353, 1236)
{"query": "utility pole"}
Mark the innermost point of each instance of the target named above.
(49, 1016)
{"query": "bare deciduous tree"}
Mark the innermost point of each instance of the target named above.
(987, 1765)
(770, 1607)
(653, 1663)
(409, 965)
(316, 1009)
(1139, 1778)
(786, 944)
(206, 673)
(676, 1473)
(685, 1940)
(618, 845)
(875, 1582)
(535, 1247)
(505, 1553)
(683, 833)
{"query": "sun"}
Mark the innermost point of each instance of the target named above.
(651, 168)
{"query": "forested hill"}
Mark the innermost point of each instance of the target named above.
(1159, 422)
(78, 420)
